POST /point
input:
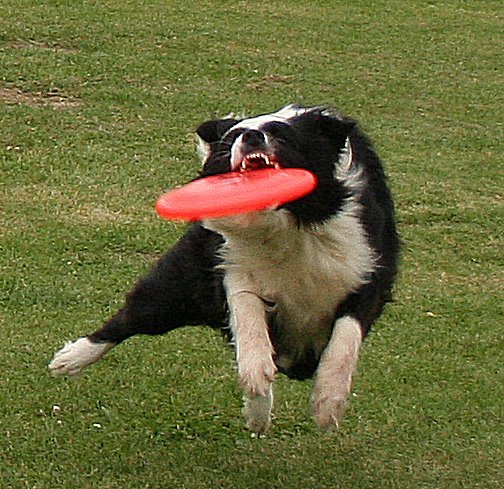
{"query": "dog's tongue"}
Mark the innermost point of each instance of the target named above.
(254, 163)
(235, 193)
(257, 161)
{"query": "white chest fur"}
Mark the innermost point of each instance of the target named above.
(305, 272)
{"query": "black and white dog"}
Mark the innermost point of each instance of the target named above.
(297, 287)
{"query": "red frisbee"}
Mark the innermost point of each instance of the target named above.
(235, 193)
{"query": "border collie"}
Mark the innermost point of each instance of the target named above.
(295, 288)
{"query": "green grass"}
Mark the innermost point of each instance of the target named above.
(98, 101)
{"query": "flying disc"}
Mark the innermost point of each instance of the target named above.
(235, 193)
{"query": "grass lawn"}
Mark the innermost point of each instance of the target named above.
(98, 101)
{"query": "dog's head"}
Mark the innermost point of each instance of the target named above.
(314, 139)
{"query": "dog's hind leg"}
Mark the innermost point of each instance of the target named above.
(181, 289)
(77, 355)
(254, 356)
(142, 314)
(334, 374)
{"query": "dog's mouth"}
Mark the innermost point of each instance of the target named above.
(257, 161)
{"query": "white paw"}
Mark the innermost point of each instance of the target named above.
(257, 411)
(328, 410)
(256, 376)
(74, 357)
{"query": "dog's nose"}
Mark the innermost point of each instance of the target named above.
(253, 138)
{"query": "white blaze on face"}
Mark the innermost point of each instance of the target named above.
(257, 123)
(283, 115)
(238, 154)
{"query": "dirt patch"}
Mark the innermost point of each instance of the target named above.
(31, 44)
(54, 98)
(55, 203)
(270, 81)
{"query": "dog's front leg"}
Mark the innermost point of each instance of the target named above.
(254, 355)
(334, 374)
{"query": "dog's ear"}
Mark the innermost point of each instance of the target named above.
(343, 127)
(212, 131)
(335, 124)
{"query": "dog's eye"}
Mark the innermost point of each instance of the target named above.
(276, 129)
(281, 132)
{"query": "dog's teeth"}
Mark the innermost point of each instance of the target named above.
(256, 160)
